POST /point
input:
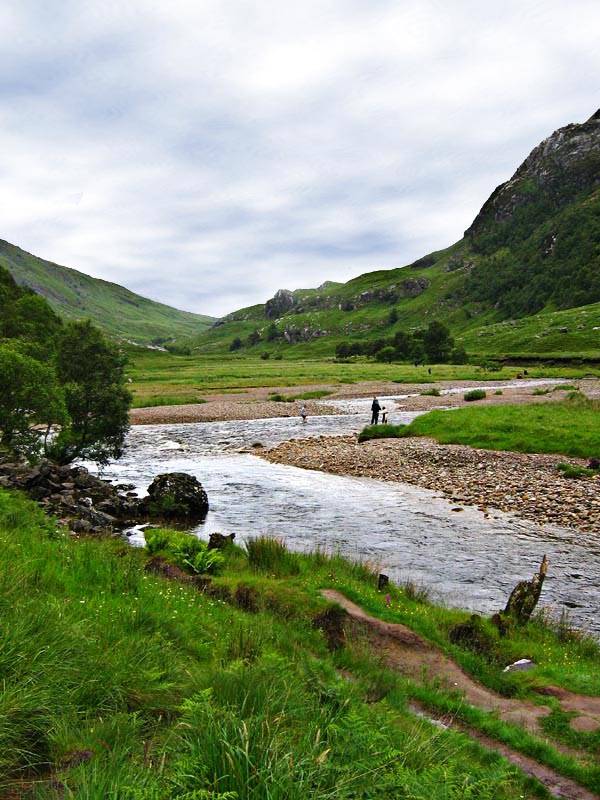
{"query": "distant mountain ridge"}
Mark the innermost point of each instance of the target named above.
(533, 248)
(119, 311)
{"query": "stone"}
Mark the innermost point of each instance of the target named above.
(218, 541)
(522, 665)
(177, 496)
(382, 581)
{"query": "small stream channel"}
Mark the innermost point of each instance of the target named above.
(411, 533)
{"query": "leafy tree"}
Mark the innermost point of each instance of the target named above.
(30, 399)
(459, 355)
(236, 344)
(253, 338)
(402, 342)
(272, 332)
(437, 342)
(386, 354)
(91, 371)
(417, 352)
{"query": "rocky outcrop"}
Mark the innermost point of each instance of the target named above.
(89, 505)
(77, 498)
(564, 164)
(282, 303)
(175, 496)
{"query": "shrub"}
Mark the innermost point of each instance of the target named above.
(381, 432)
(539, 391)
(432, 392)
(386, 354)
(185, 550)
(236, 344)
(267, 554)
(475, 394)
(265, 356)
(575, 472)
(498, 391)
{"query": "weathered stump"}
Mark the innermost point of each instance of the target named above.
(524, 597)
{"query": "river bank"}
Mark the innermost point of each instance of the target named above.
(254, 403)
(524, 484)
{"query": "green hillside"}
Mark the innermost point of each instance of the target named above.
(117, 310)
(534, 249)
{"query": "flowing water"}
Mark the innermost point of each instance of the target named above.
(411, 533)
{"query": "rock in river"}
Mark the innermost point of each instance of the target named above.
(176, 496)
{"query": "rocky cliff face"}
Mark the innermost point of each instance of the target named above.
(562, 166)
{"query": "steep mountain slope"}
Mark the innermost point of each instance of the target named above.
(534, 247)
(117, 310)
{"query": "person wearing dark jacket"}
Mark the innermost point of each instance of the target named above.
(375, 409)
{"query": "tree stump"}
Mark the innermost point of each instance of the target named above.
(524, 597)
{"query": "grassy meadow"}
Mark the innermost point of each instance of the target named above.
(117, 683)
(570, 427)
(165, 379)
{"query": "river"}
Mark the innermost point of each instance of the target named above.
(411, 533)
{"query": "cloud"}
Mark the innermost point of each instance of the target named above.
(208, 153)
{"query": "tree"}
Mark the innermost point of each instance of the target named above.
(437, 342)
(236, 344)
(92, 373)
(417, 351)
(386, 354)
(272, 332)
(31, 402)
(393, 316)
(459, 355)
(253, 338)
(402, 342)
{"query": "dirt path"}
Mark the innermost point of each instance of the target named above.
(405, 651)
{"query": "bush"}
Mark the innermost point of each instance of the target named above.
(498, 392)
(386, 354)
(475, 394)
(381, 432)
(267, 554)
(575, 472)
(184, 550)
(432, 392)
(236, 344)
(265, 356)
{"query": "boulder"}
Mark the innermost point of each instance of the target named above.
(176, 496)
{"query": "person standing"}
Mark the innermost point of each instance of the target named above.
(375, 409)
(303, 413)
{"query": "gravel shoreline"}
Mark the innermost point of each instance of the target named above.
(527, 485)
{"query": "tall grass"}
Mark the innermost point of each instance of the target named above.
(267, 554)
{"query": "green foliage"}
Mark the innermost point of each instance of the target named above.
(381, 432)
(236, 344)
(433, 391)
(475, 394)
(30, 397)
(574, 471)
(386, 354)
(265, 356)
(120, 684)
(184, 550)
(91, 370)
(271, 555)
(568, 427)
(437, 342)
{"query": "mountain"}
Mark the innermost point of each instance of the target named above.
(117, 310)
(533, 249)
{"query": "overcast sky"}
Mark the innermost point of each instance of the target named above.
(207, 153)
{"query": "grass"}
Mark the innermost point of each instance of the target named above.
(117, 310)
(154, 400)
(117, 683)
(386, 431)
(475, 394)
(433, 392)
(575, 472)
(176, 378)
(570, 427)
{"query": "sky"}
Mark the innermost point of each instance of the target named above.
(206, 154)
